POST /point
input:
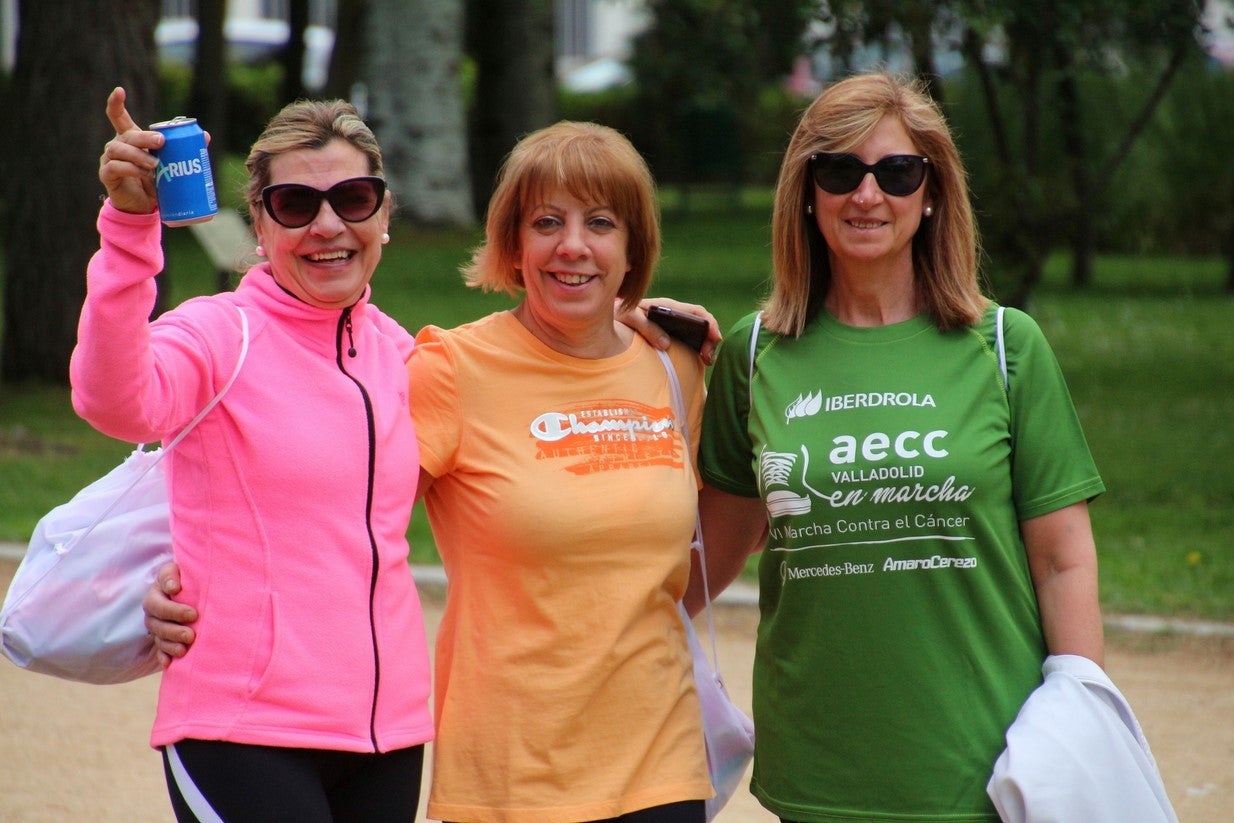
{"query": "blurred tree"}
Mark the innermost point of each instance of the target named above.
(1054, 141)
(208, 88)
(1194, 163)
(511, 42)
(913, 26)
(1047, 187)
(698, 65)
(415, 106)
(291, 55)
(345, 58)
(70, 55)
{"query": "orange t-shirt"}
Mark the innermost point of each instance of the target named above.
(563, 507)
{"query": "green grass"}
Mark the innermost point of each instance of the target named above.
(46, 454)
(1147, 353)
(1150, 363)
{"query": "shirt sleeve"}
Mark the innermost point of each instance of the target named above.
(1052, 466)
(435, 406)
(726, 452)
(133, 379)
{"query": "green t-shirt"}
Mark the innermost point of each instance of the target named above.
(899, 630)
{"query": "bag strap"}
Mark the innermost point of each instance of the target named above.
(214, 401)
(758, 322)
(244, 350)
(1002, 347)
(679, 406)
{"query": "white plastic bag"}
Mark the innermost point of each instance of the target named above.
(73, 609)
(727, 730)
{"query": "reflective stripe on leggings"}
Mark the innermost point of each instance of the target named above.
(193, 798)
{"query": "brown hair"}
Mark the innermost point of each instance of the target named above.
(593, 163)
(307, 124)
(945, 248)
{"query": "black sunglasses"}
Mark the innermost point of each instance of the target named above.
(295, 205)
(897, 174)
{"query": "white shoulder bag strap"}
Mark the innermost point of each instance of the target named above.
(244, 348)
(1002, 347)
(679, 412)
(758, 322)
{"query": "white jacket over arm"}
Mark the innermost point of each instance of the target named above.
(1076, 754)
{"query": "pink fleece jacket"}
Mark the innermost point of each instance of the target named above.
(290, 501)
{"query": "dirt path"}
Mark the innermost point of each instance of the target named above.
(75, 752)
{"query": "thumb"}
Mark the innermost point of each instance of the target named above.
(118, 113)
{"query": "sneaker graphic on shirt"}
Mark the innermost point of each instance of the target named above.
(774, 470)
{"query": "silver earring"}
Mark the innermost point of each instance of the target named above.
(929, 211)
(385, 237)
(261, 250)
(809, 208)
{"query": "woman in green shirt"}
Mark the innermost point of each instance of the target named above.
(922, 514)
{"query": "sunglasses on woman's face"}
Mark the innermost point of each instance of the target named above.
(295, 205)
(896, 174)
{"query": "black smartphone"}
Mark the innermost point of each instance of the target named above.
(687, 328)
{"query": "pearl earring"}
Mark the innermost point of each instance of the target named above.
(261, 250)
(929, 211)
(385, 237)
(809, 208)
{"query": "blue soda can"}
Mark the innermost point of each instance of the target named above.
(183, 177)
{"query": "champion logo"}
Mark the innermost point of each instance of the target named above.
(554, 426)
(608, 435)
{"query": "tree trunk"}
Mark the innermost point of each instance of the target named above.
(415, 106)
(69, 56)
(511, 42)
(349, 45)
(208, 94)
(1079, 221)
(919, 23)
(972, 45)
(291, 56)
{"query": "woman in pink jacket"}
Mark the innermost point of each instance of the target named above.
(306, 697)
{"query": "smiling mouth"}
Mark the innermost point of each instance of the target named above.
(329, 256)
(865, 224)
(570, 279)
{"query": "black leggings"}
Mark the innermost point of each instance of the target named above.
(238, 783)
(686, 811)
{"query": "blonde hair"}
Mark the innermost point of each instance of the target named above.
(308, 124)
(945, 248)
(595, 164)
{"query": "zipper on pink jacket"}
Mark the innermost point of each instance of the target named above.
(345, 326)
